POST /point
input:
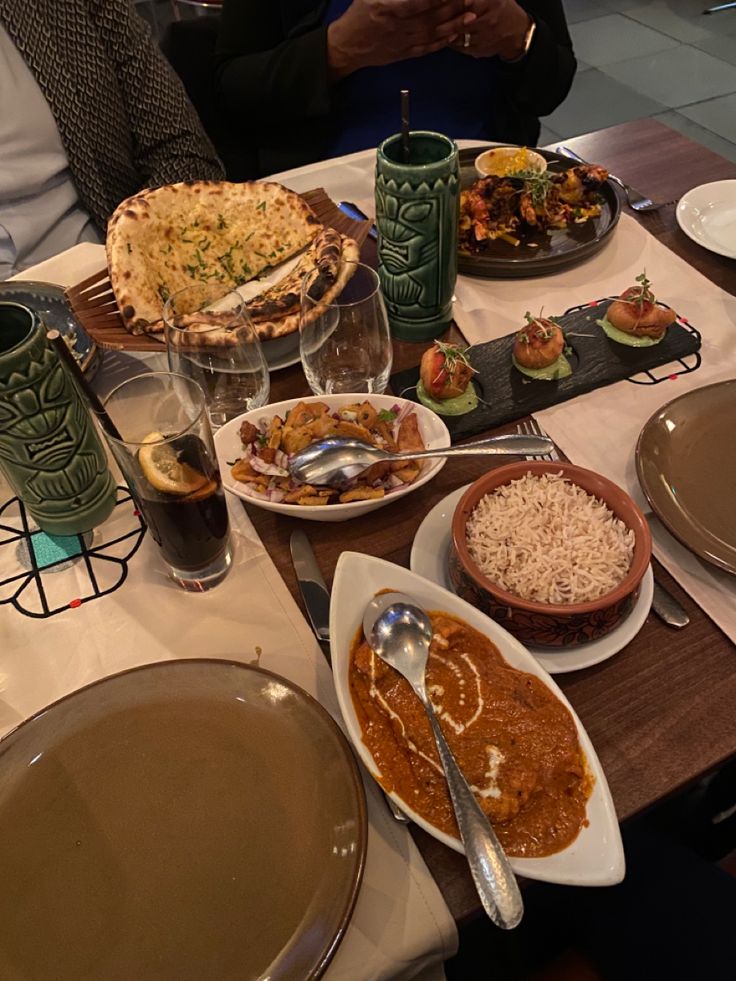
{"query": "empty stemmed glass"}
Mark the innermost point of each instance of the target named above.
(345, 345)
(210, 339)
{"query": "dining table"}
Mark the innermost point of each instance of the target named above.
(660, 713)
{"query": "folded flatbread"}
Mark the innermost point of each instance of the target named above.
(161, 240)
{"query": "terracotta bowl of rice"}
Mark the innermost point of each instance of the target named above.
(552, 552)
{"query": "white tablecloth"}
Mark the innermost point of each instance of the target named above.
(401, 927)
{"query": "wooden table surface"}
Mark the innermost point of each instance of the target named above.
(660, 713)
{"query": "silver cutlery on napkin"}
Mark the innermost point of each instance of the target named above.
(664, 604)
(637, 201)
(316, 599)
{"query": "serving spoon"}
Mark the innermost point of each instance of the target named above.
(399, 631)
(337, 459)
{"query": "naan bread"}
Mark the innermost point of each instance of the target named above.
(332, 260)
(161, 240)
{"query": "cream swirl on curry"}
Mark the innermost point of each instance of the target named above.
(516, 743)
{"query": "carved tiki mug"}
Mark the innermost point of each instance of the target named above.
(417, 206)
(49, 449)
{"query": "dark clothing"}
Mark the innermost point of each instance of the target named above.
(272, 73)
(362, 101)
(122, 114)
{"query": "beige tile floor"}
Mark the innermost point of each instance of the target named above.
(663, 59)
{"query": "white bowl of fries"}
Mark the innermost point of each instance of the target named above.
(256, 470)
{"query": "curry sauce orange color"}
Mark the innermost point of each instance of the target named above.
(516, 743)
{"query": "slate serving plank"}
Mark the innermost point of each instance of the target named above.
(596, 361)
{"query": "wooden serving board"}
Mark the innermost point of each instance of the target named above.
(94, 305)
(596, 361)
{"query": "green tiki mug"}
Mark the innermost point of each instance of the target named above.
(49, 448)
(417, 207)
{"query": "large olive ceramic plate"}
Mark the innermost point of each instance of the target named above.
(52, 306)
(687, 468)
(184, 820)
(540, 253)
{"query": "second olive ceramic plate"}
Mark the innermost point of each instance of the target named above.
(687, 470)
(184, 820)
(540, 253)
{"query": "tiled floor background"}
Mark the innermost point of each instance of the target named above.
(660, 58)
(663, 59)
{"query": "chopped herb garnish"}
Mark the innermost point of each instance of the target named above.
(261, 206)
(221, 222)
(386, 415)
(130, 248)
(164, 293)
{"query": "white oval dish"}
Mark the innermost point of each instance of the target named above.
(229, 448)
(596, 857)
(500, 154)
(707, 215)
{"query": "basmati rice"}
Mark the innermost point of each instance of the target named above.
(545, 539)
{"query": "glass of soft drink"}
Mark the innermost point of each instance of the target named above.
(167, 456)
(345, 344)
(210, 338)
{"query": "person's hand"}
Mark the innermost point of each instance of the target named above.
(381, 32)
(499, 29)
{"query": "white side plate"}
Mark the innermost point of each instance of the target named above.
(707, 215)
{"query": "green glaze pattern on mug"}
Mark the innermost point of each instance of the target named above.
(49, 449)
(417, 208)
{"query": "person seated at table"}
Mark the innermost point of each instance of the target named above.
(90, 113)
(318, 78)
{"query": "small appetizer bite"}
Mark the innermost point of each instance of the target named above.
(635, 319)
(445, 380)
(539, 350)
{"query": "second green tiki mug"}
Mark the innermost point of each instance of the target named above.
(49, 448)
(417, 206)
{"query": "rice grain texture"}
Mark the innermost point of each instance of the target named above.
(545, 539)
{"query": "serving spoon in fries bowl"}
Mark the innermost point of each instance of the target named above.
(336, 460)
(399, 631)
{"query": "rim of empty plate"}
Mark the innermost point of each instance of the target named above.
(688, 207)
(321, 958)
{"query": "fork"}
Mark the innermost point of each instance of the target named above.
(530, 427)
(637, 201)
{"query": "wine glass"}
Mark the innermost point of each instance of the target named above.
(210, 338)
(345, 345)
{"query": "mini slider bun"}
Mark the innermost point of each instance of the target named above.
(539, 349)
(635, 315)
(445, 380)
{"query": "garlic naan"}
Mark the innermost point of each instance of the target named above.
(160, 241)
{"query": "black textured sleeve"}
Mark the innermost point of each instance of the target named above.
(540, 82)
(265, 74)
(169, 144)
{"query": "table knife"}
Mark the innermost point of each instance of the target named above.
(315, 594)
(316, 598)
(668, 608)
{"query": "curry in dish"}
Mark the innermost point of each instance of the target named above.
(516, 743)
(510, 208)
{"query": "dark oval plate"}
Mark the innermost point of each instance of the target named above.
(541, 252)
(52, 306)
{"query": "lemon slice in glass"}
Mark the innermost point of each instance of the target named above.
(164, 471)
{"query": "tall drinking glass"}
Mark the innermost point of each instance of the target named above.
(210, 339)
(345, 346)
(167, 456)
